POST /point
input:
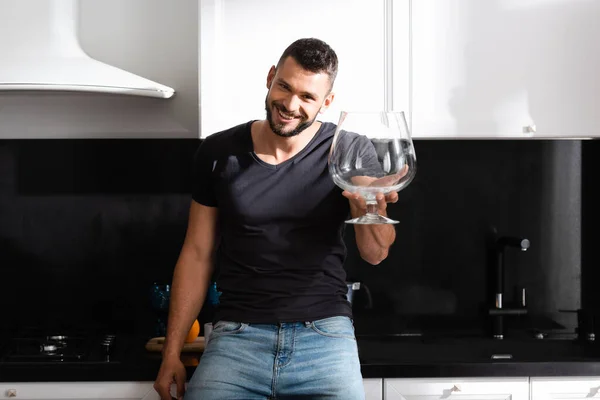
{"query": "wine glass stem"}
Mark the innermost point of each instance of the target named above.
(372, 208)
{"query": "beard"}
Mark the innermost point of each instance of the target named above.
(278, 129)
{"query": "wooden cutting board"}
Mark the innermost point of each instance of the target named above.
(156, 344)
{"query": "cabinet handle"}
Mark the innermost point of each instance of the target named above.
(11, 393)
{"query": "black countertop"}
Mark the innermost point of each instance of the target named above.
(381, 357)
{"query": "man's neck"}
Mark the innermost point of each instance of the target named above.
(275, 149)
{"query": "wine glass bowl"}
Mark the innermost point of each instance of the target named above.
(371, 153)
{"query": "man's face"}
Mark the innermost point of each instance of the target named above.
(295, 98)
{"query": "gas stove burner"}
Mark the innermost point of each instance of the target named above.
(60, 347)
(57, 338)
(48, 348)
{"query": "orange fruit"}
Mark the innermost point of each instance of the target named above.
(193, 332)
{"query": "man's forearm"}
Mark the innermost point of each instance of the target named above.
(190, 283)
(374, 241)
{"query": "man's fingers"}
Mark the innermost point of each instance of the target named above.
(381, 203)
(391, 197)
(171, 372)
(356, 199)
(163, 390)
(180, 386)
(360, 201)
(382, 200)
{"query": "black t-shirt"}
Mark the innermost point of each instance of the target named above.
(281, 250)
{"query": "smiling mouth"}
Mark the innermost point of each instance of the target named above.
(285, 117)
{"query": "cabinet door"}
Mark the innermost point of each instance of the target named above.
(571, 388)
(499, 68)
(457, 389)
(79, 390)
(242, 39)
(373, 388)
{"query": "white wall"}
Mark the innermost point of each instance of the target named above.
(155, 39)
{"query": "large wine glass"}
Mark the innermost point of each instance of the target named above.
(371, 153)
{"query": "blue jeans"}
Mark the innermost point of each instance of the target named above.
(301, 360)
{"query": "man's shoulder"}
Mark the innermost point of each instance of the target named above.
(328, 128)
(235, 140)
(328, 131)
(228, 136)
(324, 134)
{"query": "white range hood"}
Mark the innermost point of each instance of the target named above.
(40, 51)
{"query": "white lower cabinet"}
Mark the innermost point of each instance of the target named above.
(559, 388)
(78, 390)
(456, 389)
(373, 388)
(547, 388)
(116, 390)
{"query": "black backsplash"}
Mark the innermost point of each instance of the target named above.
(86, 226)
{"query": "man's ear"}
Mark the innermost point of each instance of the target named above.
(327, 102)
(270, 76)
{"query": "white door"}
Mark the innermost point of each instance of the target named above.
(79, 390)
(373, 388)
(499, 68)
(559, 388)
(241, 39)
(457, 389)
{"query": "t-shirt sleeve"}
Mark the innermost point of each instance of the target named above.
(203, 184)
(370, 161)
(358, 155)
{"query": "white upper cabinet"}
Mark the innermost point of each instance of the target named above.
(241, 39)
(504, 67)
(460, 68)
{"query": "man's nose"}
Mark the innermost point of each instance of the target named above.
(292, 104)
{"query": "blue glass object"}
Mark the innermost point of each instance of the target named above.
(160, 295)
(213, 294)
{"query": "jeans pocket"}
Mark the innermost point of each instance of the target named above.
(228, 328)
(336, 327)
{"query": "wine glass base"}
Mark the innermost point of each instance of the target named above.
(371, 219)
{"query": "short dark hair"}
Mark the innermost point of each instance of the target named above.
(313, 55)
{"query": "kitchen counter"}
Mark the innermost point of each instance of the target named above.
(381, 357)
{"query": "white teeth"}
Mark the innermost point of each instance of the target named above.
(285, 116)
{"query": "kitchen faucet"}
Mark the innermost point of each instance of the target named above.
(499, 310)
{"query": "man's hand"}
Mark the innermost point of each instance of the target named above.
(385, 181)
(358, 205)
(373, 241)
(171, 371)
